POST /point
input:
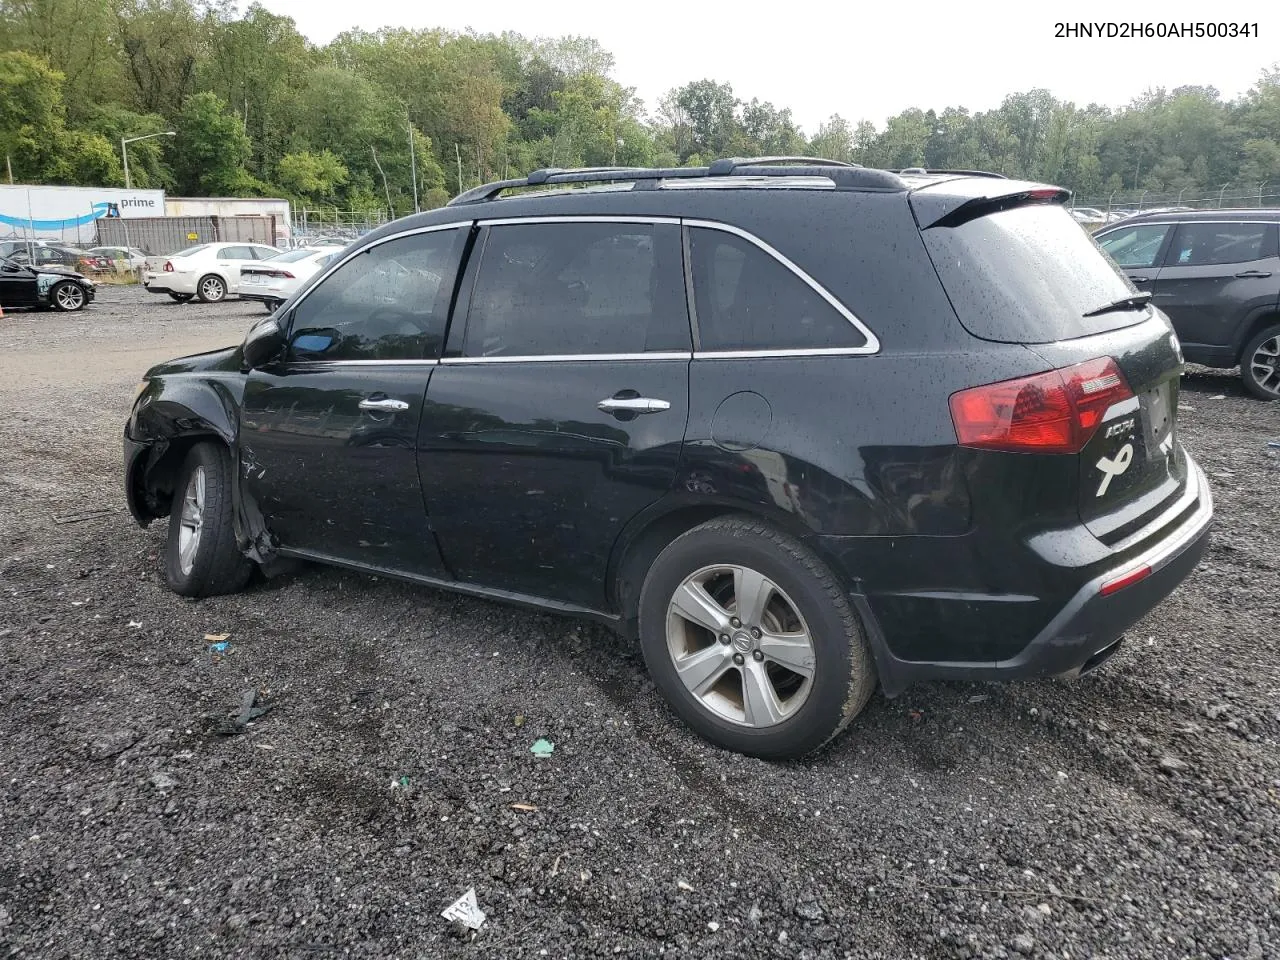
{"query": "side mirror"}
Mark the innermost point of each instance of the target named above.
(263, 343)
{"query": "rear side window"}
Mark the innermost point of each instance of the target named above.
(1028, 275)
(568, 289)
(746, 299)
(1204, 244)
(1136, 246)
(389, 302)
(235, 253)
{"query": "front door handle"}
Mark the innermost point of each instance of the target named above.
(383, 404)
(1138, 279)
(632, 405)
(1253, 275)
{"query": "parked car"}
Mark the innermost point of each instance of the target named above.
(24, 285)
(1216, 273)
(1088, 215)
(207, 271)
(134, 257)
(49, 255)
(275, 280)
(868, 428)
(9, 247)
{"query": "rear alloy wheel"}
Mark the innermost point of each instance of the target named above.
(752, 640)
(1260, 364)
(180, 297)
(201, 558)
(67, 296)
(212, 289)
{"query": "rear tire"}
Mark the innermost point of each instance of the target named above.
(735, 685)
(201, 558)
(181, 297)
(1260, 364)
(211, 288)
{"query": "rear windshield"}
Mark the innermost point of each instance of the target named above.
(1029, 275)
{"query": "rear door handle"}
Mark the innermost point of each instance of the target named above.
(383, 404)
(1253, 275)
(632, 405)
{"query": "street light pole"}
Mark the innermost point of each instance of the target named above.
(124, 152)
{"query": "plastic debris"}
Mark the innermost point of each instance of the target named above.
(524, 807)
(542, 748)
(217, 637)
(1218, 396)
(135, 624)
(519, 719)
(684, 885)
(466, 910)
(712, 926)
(221, 646)
(979, 698)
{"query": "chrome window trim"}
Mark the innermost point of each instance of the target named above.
(572, 218)
(873, 342)
(872, 345)
(783, 352)
(573, 357)
(366, 363)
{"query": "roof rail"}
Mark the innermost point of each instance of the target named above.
(720, 168)
(921, 171)
(845, 176)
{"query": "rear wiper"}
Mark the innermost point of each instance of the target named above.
(1135, 302)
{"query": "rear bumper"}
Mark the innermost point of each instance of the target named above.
(1086, 628)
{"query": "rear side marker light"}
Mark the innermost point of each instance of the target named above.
(1054, 412)
(1125, 580)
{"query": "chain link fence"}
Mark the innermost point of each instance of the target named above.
(316, 223)
(1125, 203)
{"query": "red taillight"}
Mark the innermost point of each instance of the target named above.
(282, 274)
(1125, 580)
(1054, 412)
(168, 266)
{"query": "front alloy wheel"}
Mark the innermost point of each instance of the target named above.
(212, 289)
(201, 557)
(68, 296)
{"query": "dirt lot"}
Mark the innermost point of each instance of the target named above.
(1135, 813)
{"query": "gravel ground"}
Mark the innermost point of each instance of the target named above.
(1134, 813)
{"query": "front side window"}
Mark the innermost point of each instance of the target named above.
(1135, 246)
(568, 289)
(746, 299)
(1204, 244)
(389, 302)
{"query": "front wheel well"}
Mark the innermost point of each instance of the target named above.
(156, 479)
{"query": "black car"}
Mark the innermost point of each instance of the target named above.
(1216, 273)
(58, 287)
(797, 428)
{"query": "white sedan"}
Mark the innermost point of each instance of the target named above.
(274, 281)
(209, 271)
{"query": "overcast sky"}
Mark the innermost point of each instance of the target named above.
(861, 60)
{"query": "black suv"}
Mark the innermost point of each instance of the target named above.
(795, 427)
(1216, 273)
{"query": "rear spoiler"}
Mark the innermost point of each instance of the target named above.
(953, 202)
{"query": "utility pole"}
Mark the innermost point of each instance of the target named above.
(413, 164)
(458, 154)
(391, 210)
(8, 160)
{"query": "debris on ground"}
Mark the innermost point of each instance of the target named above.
(542, 748)
(466, 910)
(684, 885)
(250, 709)
(81, 517)
(524, 807)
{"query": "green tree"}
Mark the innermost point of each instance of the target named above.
(210, 149)
(313, 176)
